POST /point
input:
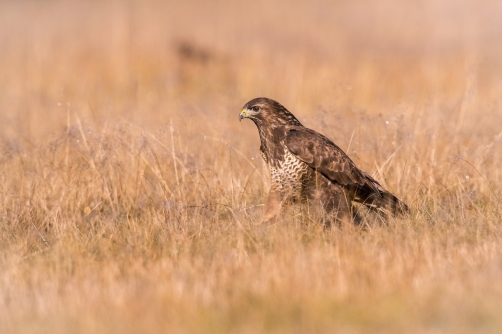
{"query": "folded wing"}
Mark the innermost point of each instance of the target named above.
(325, 157)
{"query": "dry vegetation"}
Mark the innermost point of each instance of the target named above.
(129, 190)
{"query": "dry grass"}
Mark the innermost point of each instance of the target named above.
(129, 190)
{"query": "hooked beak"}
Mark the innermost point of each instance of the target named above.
(242, 115)
(246, 113)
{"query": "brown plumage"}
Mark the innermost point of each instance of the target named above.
(305, 165)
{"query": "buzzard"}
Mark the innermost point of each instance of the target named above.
(306, 166)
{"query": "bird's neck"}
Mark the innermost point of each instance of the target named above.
(272, 142)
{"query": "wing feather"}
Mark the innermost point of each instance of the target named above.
(322, 154)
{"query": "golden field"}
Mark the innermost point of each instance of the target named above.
(129, 191)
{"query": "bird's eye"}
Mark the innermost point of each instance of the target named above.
(255, 108)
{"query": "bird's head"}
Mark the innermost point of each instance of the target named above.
(263, 110)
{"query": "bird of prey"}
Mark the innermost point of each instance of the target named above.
(306, 166)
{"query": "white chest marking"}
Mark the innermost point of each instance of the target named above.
(290, 174)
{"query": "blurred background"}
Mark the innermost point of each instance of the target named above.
(147, 62)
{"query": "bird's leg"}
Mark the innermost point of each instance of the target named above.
(275, 199)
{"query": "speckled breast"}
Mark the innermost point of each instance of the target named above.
(291, 175)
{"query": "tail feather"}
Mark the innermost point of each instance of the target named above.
(382, 201)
